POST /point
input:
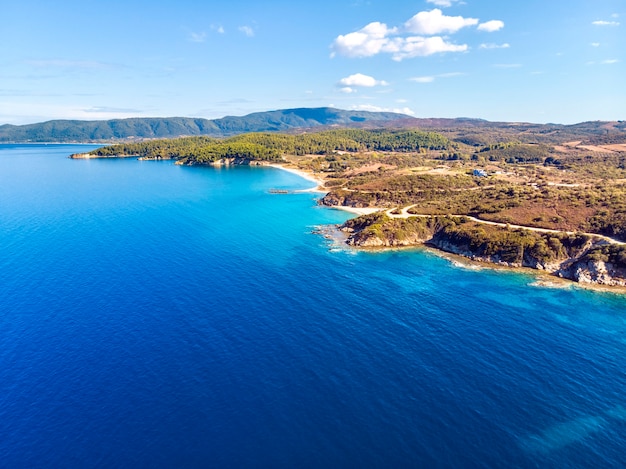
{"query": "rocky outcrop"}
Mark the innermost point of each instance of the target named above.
(577, 257)
(88, 156)
(369, 240)
(238, 162)
(377, 230)
(594, 273)
(227, 162)
(343, 198)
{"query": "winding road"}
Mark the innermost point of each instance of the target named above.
(405, 214)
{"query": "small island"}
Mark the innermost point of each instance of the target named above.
(507, 194)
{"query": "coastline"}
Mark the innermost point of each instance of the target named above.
(356, 210)
(541, 278)
(319, 183)
(309, 176)
(536, 277)
(89, 156)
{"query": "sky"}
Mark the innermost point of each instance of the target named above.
(559, 61)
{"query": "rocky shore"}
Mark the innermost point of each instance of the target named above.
(226, 162)
(89, 156)
(581, 258)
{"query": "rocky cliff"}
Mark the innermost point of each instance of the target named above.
(578, 257)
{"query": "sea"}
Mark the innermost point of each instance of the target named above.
(155, 315)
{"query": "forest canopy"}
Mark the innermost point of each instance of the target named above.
(271, 146)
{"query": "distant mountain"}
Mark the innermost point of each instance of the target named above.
(145, 128)
(466, 130)
(482, 132)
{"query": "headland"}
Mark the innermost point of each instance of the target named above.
(506, 196)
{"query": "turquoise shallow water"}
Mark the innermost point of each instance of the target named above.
(161, 316)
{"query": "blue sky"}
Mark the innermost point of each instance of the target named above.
(537, 61)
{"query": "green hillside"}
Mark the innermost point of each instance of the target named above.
(150, 128)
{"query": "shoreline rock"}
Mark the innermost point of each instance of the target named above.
(580, 259)
(226, 162)
(89, 156)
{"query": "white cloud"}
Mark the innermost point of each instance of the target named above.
(605, 23)
(426, 79)
(402, 101)
(373, 40)
(443, 3)
(347, 90)
(247, 30)
(595, 44)
(197, 37)
(491, 45)
(372, 108)
(491, 26)
(610, 61)
(431, 78)
(420, 36)
(358, 79)
(218, 28)
(425, 46)
(367, 41)
(435, 22)
(507, 65)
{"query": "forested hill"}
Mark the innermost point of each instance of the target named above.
(271, 146)
(149, 128)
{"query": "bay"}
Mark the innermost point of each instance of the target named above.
(153, 315)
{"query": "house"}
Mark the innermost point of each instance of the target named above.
(479, 173)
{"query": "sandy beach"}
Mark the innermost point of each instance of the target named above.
(320, 188)
(306, 175)
(357, 210)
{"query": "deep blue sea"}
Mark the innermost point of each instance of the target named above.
(153, 315)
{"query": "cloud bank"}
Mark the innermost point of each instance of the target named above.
(247, 30)
(426, 33)
(358, 79)
(373, 108)
(431, 78)
(605, 23)
(491, 45)
(491, 26)
(435, 22)
(443, 3)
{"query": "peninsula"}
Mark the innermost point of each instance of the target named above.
(520, 195)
